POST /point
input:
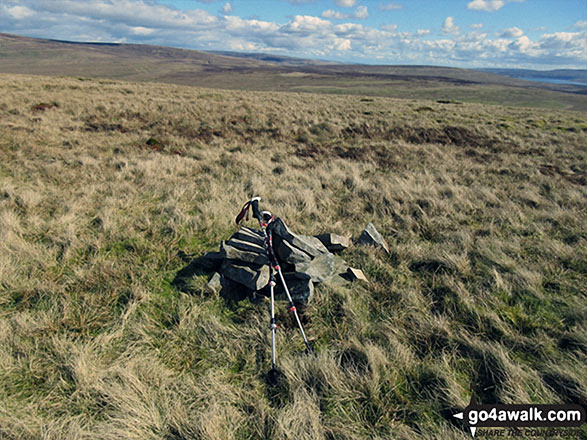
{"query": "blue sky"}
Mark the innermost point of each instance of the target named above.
(540, 34)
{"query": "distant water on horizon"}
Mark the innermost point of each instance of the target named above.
(553, 81)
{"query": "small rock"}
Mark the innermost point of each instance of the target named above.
(372, 237)
(353, 274)
(214, 284)
(251, 278)
(334, 242)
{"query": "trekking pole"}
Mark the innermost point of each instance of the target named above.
(265, 219)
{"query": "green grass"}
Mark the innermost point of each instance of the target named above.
(108, 193)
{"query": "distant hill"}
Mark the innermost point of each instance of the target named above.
(264, 72)
(272, 58)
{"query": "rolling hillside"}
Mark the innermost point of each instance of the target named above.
(257, 72)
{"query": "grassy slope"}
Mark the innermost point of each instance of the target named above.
(483, 208)
(187, 67)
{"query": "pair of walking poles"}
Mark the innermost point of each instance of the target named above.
(265, 219)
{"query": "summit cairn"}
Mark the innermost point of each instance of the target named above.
(240, 268)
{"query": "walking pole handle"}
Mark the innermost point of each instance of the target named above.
(255, 206)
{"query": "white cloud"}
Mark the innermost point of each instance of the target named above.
(390, 6)
(421, 32)
(343, 44)
(307, 25)
(337, 15)
(388, 27)
(513, 32)
(19, 12)
(477, 26)
(361, 12)
(345, 3)
(490, 5)
(227, 8)
(582, 24)
(139, 30)
(449, 27)
(486, 5)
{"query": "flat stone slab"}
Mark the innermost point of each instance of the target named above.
(253, 279)
(371, 237)
(310, 245)
(249, 235)
(234, 253)
(334, 242)
(247, 246)
(291, 254)
(353, 274)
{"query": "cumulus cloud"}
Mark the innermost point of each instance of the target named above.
(388, 27)
(345, 3)
(361, 13)
(227, 8)
(486, 5)
(343, 44)
(390, 6)
(18, 12)
(449, 27)
(513, 32)
(490, 5)
(337, 15)
(477, 26)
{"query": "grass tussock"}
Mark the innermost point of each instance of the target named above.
(107, 189)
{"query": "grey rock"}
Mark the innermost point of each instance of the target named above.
(233, 291)
(310, 245)
(371, 237)
(214, 284)
(290, 254)
(334, 242)
(247, 246)
(319, 269)
(340, 266)
(300, 289)
(252, 278)
(232, 252)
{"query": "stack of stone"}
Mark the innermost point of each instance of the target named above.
(241, 267)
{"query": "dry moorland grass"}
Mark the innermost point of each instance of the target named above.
(107, 188)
